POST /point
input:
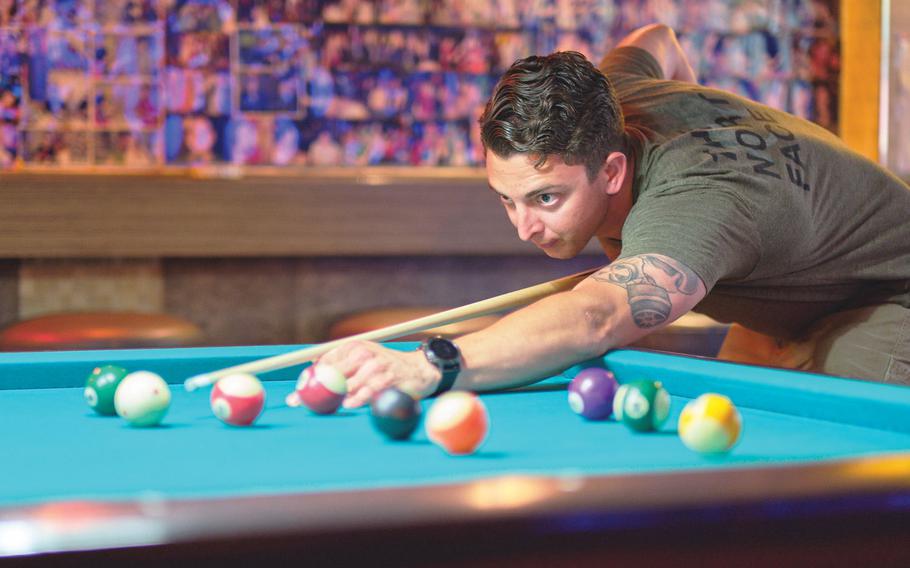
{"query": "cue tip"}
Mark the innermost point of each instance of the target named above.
(197, 382)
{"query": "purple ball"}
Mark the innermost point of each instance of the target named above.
(591, 393)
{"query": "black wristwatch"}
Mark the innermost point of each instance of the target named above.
(445, 355)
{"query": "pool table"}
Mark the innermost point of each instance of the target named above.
(821, 475)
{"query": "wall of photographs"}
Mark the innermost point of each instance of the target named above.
(158, 83)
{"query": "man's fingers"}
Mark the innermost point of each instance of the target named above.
(367, 369)
(359, 397)
(364, 388)
(348, 358)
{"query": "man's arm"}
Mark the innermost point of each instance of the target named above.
(614, 307)
(660, 41)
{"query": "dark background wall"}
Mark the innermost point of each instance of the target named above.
(264, 168)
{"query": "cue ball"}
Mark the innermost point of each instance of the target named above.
(591, 393)
(643, 406)
(710, 424)
(395, 413)
(457, 422)
(238, 399)
(142, 399)
(100, 387)
(322, 388)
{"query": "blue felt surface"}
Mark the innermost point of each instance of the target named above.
(65, 451)
(56, 448)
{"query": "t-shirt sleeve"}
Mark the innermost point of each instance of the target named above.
(707, 228)
(630, 60)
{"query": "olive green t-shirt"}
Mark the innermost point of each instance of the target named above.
(782, 222)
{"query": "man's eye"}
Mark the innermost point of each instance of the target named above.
(505, 199)
(546, 198)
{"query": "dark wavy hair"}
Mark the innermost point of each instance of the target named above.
(559, 104)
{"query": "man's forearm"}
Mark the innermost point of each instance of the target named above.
(535, 342)
(600, 313)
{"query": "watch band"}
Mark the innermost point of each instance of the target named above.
(448, 362)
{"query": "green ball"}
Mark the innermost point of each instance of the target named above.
(643, 406)
(100, 387)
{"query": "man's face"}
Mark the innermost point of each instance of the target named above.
(556, 206)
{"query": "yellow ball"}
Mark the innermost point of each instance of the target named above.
(710, 424)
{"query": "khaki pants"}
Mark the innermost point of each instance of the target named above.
(871, 343)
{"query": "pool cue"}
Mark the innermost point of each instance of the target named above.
(500, 303)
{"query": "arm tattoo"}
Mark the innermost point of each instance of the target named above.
(649, 301)
(684, 280)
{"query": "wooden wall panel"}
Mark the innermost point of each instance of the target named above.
(62, 216)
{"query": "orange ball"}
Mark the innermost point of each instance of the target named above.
(458, 422)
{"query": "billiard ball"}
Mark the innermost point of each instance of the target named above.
(322, 388)
(591, 393)
(142, 399)
(642, 405)
(457, 422)
(237, 399)
(100, 388)
(395, 413)
(710, 424)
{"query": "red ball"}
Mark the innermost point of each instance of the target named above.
(322, 388)
(238, 399)
(458, 422)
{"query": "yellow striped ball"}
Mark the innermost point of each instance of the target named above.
(710, 424)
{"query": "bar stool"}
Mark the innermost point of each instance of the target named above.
(99, 330)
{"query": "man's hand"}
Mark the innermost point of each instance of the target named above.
(660, 41)
(370, 367)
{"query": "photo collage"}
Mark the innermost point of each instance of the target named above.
(337, 83)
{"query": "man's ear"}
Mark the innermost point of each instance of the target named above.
(616, 168)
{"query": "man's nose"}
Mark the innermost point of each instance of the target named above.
(528, 225)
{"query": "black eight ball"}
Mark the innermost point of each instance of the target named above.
(395, 413)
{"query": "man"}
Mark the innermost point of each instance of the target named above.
(705, 200)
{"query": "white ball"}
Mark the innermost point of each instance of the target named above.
(142, 398)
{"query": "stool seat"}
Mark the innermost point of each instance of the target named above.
(378, 318)
(99, 330)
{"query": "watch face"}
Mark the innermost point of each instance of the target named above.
(443, 348)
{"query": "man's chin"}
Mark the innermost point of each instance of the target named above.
(560, 252)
